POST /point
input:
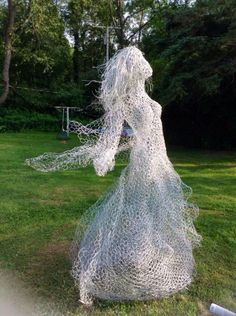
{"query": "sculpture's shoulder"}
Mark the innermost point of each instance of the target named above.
(156, 107)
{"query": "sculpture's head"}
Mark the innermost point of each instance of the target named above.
(135, 62)
(123, 72)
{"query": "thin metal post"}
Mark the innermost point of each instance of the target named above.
(63, 119)
(67, 121)
(107, 43)
(107, 36)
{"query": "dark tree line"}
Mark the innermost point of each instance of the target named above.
(195, 71)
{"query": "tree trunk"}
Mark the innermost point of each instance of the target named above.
(7, 50)
(140, 27)
(119, 22)
(76, 56)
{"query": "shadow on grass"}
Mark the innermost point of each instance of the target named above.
(48, 271)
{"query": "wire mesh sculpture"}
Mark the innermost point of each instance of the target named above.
(136, 242)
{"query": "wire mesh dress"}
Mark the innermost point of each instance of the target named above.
(136, 242)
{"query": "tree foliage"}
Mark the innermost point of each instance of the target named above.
(57, 45)
(42, 53)
(193, 51)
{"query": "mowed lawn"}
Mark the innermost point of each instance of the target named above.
(39, 213)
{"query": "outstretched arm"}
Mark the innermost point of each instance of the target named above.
(100, 152)
(108, 142)
(71, 159)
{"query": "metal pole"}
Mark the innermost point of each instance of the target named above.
(67, 121)
(107, 43)
(107, 36)
(63, 119)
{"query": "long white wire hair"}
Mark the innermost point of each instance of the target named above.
(123, 71)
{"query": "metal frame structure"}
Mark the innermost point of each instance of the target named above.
(66, 117)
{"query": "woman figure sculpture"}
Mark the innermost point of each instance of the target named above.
(139, 237)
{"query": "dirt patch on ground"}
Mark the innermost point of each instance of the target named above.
(54, 249)
(49, 262)
(53, 201)
(203, 309)
(213, 212)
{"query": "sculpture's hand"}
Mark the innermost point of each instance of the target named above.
(104, 162)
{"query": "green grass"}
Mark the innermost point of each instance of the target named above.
(39, 212)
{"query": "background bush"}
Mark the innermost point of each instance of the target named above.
(16, 121)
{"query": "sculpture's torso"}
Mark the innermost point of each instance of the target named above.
(144, 116)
